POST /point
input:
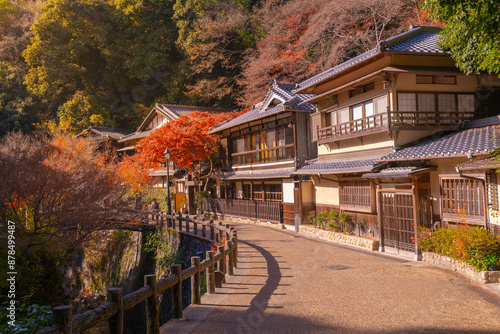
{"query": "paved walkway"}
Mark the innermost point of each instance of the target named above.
(288, 283)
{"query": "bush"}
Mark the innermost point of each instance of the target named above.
(311, 218)
(472, 245)
(346, 222)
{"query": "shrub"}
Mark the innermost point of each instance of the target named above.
(322, 219)
(333, 218)
(346, 221)
(31, 317)
(472, 245)
(311, 218)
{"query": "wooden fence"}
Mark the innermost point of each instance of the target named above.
(268, 211)
(112, 310)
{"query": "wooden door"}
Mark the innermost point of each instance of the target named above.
(397, 220)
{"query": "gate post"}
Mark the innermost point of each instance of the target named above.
(379, 217)
(416, 218)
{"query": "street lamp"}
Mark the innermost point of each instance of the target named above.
(167, 158)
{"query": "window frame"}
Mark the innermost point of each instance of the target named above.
(348, 185)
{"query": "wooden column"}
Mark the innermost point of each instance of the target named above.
(379, 217)
(416, 216)
(212, 231)
(222, 263)
(234, 240)
(116, 322)
(230, 271)
(63, 315)
(180, 222)
(176, 269)
(152, 307)
(227, 232)
(210, 273)
(196, 281)
(204, 231)
(221, 233)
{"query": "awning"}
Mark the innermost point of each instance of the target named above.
(126, 148)
(397, 172)
(337, 167)
(481, 164)
(282, 173)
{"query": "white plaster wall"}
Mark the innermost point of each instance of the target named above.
(288, 191)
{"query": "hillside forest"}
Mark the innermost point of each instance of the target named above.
(69, 64)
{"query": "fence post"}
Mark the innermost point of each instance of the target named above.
(230, 271)
(63, 315)
(196, 281)
(161, 219)
(187, 225)
(116, 322)
(176, 269)
(180, 222)
(234, 240)
(210, 273)
(227, 232)
(222, 263)
(204, 231)
(221, 233)
(195, 228)
(212, 231)
(153, 314)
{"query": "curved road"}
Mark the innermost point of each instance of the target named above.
(295, 284)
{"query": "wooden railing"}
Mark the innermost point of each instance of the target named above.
(268, 211)
(428, 118)
(112, 310)
(394, 120)
(370, 123)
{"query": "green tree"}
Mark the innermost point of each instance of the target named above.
(98, 60)
(471, 32)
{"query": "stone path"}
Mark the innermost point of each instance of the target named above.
(288, 283)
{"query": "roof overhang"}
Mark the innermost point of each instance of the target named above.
(283, 173)
(395, 173)
(480, 164)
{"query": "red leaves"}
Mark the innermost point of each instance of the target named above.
(187, 139)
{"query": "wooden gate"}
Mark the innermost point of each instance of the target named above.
(397, 220)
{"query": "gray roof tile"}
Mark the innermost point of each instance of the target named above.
(259, 174)
(337, 167)
(475, 141)
(291, 101)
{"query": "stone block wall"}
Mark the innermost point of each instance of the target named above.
(465, 269)
(342, 238)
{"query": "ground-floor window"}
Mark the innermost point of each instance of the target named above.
(462, 198)
(356, 194)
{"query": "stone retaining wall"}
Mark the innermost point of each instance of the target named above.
(465, 269)
(342, 238)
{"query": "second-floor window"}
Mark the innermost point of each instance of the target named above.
(432, 102)
(266, 145)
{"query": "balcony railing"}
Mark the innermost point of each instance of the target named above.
(396, 120)
(407, 119)
(375, 123)
(269, 211)
(280, 153)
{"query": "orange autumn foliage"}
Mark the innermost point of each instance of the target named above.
(187, 138)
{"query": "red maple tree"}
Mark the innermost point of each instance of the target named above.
(188, 140)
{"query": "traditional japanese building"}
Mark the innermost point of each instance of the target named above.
(260, 151)
(369, 109)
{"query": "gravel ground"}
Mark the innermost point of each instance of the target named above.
(288, 283)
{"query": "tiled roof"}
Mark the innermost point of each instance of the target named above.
(259, 174)
(337, 167)
(281, 90)
(420, 40)
(396, 172)
(475, 141)
(135, 135)
(184, 110)
(481, 164)
(109, 132)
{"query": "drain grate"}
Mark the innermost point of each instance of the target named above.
(336, 267)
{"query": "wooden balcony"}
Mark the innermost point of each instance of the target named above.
(393, 120)
(353, 129)
(262, 210)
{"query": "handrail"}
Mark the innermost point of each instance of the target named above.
(112, 310)
(358, 125)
